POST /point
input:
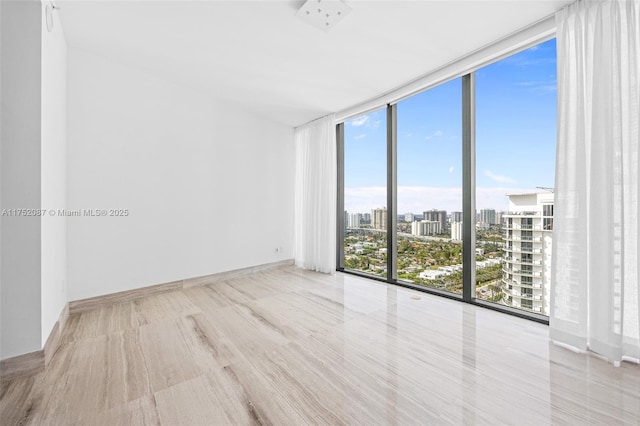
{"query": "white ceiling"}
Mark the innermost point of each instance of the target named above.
(260, 55)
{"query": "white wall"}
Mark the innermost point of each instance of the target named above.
(54, 173)
(208, 187)
(20, 325)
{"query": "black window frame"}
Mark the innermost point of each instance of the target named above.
(468, 208)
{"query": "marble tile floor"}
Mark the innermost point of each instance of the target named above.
(291, 347)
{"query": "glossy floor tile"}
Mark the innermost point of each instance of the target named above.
(291, 347)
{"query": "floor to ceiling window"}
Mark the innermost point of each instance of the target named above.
(429, 170)
(515, 170)
(365, 194)
(451, 190)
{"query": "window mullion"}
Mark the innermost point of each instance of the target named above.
(392, 198)
(340, 222)
(468, 187)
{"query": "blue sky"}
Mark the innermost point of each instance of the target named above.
(515, 140)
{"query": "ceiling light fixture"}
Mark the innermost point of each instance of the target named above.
(323, 14)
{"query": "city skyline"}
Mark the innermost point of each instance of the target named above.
(515, 140)
(421, 214)
(419, 210)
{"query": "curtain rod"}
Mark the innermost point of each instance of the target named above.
(313, 121)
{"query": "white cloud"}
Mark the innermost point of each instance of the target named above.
(435, 134)
(539, 86)
(417, 199)
(451, 169)
(360, 136)
(526, 62)
(363, 199)
(496, 197)
(414, 199)
(498, 178)
(360, 121)
(546, 88)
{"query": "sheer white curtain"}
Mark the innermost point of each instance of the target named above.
(315, 197)
(595, 300)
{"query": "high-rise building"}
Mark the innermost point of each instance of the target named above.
(487, 216)
(456, 217)
(366, 217)
(456, 231)
(354, 220)
(408, 217)
(436, 216)
(499, 217)
(379, 217)
(528, 231)
(425, 227)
